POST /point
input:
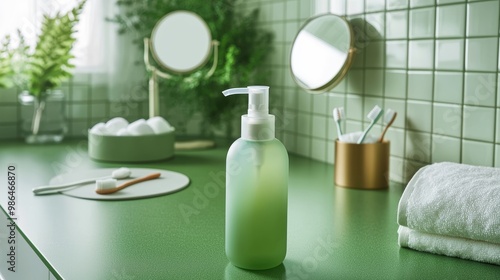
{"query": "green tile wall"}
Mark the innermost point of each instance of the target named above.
(435, 62)
(88, 102)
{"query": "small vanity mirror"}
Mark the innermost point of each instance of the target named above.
(322, 52)
(181, 42)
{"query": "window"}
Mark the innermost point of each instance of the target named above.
(89, 49)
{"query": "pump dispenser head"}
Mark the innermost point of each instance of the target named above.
(258, 124)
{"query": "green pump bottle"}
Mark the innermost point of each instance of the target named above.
(256, 188)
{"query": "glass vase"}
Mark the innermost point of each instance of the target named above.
(43, 119)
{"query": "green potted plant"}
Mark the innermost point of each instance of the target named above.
(38, 72)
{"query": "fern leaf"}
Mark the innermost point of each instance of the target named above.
(50, 64)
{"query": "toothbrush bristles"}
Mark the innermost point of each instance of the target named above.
(388, 115)
(338, 115)
(374, 116)
(374, 112)
(105, 184)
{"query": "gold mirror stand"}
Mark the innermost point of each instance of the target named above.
(154, 99)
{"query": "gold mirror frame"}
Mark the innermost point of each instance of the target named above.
(159, 40)
(337, 78)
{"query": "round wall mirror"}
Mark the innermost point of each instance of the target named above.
(322, 52)
(181, 42)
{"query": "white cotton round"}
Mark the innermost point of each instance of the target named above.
(159, 125)
(140, 127)
(99, 129)
(115, 124)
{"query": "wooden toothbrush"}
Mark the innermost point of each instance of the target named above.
(109, 186)
(389, 118)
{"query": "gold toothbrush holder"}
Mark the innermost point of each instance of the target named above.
(362, 166)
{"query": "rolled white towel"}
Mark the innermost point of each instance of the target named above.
(453, 199)
(449, 246)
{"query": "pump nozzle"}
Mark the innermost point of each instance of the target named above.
(232, 91)
(258, 121)
(258, 99)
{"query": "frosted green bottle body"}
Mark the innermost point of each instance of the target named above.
(256, 203)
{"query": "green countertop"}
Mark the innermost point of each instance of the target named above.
(333, 233)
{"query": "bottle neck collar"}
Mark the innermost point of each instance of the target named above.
(257, 129)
